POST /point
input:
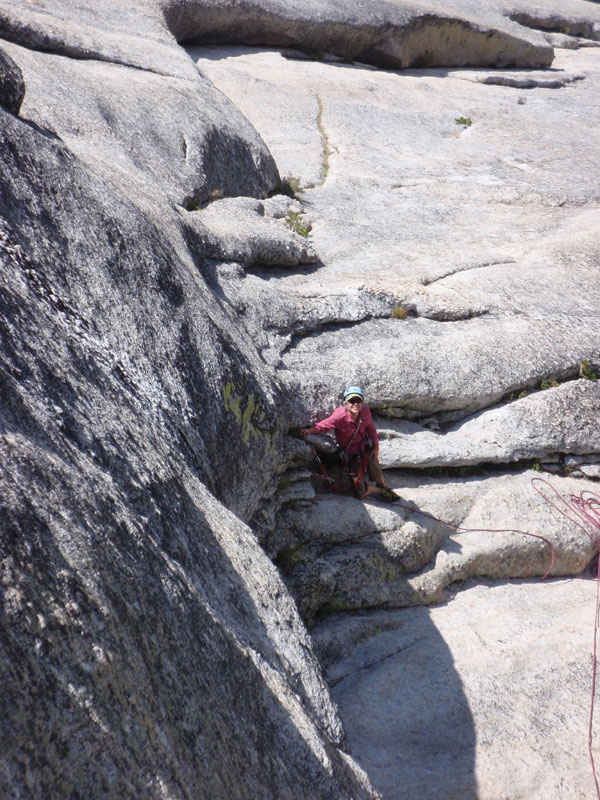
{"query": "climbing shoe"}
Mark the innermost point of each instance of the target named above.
(387, 494)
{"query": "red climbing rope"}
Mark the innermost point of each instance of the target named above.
(594, 670)
(489, 530)
(582, 510)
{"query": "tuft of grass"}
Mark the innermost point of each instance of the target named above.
(399, 313)
(198, 205)
(548, 383)
(288, 558)
(326, 149)
(290, 186)
(466, 121)
(314, 53)
(334, 606)
(295, 222)
(585, 371)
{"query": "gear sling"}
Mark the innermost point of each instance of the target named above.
(351, 468)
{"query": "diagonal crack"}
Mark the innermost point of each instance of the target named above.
(429, 281)
(375, 661)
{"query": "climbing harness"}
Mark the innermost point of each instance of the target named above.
(353, 465)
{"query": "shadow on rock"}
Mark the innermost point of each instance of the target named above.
(341, 554)
(402, 703)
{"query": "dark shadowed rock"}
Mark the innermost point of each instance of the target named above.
(393, 35)
(12, 85)
(148, 642)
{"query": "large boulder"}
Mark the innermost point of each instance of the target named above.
(394, 35)
(557, 420)
(161, 139)
(148, 642)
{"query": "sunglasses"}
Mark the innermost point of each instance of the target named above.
(354, 400)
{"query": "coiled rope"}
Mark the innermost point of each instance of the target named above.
(583, 510)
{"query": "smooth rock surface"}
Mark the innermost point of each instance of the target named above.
(391, 34)
(156, 137)
(488, 230)
(562, 419)
(485, 697)
(343, 554)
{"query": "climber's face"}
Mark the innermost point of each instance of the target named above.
(353, 405)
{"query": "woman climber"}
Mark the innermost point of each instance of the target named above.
(358, 448)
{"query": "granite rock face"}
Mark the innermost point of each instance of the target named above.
(394, 35)
(149, 645)
(169, 311)
(341, 554)
(479, 676)
(458, 283)
(560, 419)
(147, 640)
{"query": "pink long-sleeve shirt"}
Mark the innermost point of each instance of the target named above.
(344, 426)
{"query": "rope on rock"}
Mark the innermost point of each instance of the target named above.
(462, 529)
(585, 508)
(582, 510)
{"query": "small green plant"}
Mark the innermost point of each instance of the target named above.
(399, 313)
(314, 53)
(198, 205)
(295, 222)
(466, 121)
(334, 606)
(585, 371)
(290, 185)
(535, 466)
(326, 149)
(548, 383)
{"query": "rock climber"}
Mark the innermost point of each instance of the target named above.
(358, 443)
